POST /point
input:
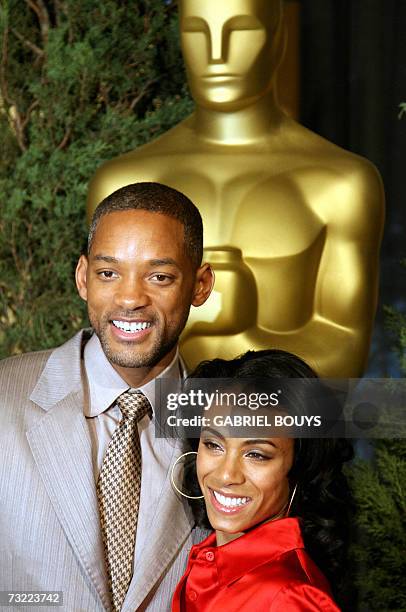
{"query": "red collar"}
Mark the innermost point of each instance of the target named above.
(261, 545)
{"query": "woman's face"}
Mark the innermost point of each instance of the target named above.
(244, 481)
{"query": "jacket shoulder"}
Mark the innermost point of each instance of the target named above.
(18, 378)
(23, 368)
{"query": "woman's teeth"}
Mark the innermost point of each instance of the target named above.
(230, 502)
(131, 327)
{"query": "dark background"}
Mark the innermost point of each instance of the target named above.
(353, 78)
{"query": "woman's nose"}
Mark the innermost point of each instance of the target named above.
(229, 471)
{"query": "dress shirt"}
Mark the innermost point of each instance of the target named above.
(266, 570)
(104, 386)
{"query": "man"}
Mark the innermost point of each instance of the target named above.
(65, 419)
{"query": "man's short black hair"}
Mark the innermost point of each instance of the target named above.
(158, 198)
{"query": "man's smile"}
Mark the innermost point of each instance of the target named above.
(130, 330)
(131, 326)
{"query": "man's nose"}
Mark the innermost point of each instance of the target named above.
(132, 294)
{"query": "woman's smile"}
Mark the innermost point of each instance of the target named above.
(230, 504)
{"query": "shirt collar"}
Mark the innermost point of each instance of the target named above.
(256, 547)
(105, 384)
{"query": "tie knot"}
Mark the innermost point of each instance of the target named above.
(134, 405)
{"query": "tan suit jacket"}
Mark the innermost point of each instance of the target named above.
(49, 520)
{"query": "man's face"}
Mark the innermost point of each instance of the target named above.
(228, 48)
(139, 284)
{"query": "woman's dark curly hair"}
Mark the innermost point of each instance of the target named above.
(323, 501)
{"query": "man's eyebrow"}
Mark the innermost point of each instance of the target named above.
(106, 258)
(165, 261)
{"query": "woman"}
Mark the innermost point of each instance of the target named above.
(279, 507)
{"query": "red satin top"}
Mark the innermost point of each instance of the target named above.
(265, 570)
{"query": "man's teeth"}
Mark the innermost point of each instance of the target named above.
(131, 327)
(230, 502)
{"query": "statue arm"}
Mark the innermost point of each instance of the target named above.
(347, 284)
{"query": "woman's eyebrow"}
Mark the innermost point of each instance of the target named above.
(259, 441)
(214, 432)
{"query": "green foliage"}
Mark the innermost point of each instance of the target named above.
(402, 111)
(81, 81)
(380, 551)
(396, 324)
(379, 488)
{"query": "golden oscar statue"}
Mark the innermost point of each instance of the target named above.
(292, 222)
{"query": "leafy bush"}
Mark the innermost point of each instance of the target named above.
(380, 551)
(81, 81)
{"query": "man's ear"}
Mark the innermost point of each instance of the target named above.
(203, 284)
(81, 277)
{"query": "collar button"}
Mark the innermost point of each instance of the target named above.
(210, 556)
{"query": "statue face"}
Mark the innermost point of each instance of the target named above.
(230, 50)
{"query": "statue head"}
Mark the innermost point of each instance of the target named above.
(231, 50)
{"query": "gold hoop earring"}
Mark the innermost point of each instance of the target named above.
(291, 500)
(173, 479)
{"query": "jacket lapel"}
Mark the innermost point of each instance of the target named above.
(61, 446)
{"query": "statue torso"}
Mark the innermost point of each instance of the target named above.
(265, 212)
(273, 203)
